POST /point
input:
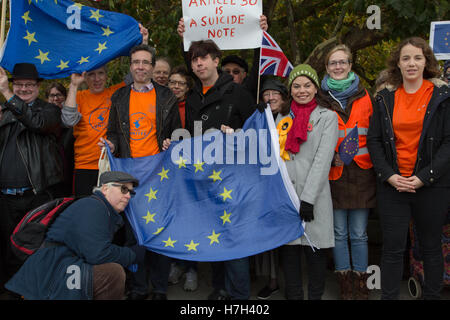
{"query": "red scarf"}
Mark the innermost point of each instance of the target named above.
(299, 131)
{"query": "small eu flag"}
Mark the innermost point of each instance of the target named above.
(349, 147)
(440, 39)
(191, 208)
(62, 37)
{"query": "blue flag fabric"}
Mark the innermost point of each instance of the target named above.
(440, 39)
(208, 205)
(62, 37)
(349, 147)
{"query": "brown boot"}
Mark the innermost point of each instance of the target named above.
(346, 284)
(361, 290)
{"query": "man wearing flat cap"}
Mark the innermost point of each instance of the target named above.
(30, 165)
(78, 260)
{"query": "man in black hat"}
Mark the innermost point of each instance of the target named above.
(78, 259)
(30, 165)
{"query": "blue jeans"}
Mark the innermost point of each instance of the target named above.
(351, 222)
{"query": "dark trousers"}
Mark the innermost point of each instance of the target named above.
(84, 181)
(233, 276)
(291, 262)
(428, 208)
(153, 268)
(12, 210)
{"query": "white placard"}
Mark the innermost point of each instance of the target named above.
(232, 24)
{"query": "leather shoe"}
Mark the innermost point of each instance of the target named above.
(137, 296)
(159, 296)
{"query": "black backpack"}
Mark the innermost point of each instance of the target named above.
(29, 234)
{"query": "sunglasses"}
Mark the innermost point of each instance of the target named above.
(124, 189)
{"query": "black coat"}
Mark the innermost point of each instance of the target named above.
(39, 125)
(167, 118)
(433, 156)
(225, 103)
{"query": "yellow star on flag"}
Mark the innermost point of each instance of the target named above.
(149, 217)
(151, 195)
(43, 56)
(216, 175)
(225, 217)
(101, 47)
(26, 17)
(226, 194)
(163, 174)
(214, 237)
(83, 60)
(169, 242)
(192, 246)
(181, 162)
(158, 231)
(30, 37)
(63, 64)
(95, 15)
(107, 31)
(198, 166)
(79, 5)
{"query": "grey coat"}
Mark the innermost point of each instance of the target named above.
(310, 168)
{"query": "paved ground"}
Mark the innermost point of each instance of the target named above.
(176, 292)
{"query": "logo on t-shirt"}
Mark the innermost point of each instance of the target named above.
(98, 119)
(140, 126)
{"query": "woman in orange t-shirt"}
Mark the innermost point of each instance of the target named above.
(409, 145)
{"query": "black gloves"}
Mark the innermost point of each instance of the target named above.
(261, 106)
(306, 211)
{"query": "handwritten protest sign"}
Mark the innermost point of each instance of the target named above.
(232, 24)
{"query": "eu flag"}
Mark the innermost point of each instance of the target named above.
(349, 147)
(440, 39)
(214, 197)
(62, 37)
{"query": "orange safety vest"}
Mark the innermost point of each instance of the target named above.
(361, 112)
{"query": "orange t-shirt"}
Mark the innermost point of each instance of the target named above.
(94, 109)
(143, 140)
(182, 110)
(409, 111)
(205, 89)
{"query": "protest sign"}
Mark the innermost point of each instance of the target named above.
(232, 24)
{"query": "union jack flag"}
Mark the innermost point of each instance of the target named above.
(272, 60)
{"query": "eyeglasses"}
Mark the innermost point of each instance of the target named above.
(124, 189)
(177, 83)
(138, 62)
(55, 95)
(340, 62)
(24, 85)
(234, 71)
(271, 93)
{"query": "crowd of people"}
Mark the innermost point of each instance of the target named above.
(401, 166)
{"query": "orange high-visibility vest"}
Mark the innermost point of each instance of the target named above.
(360, 115)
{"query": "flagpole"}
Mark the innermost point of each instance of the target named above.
(3, 22)
(259, 72)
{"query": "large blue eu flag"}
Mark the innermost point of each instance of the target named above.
(440, 39)
(62, 37)
(214, 197)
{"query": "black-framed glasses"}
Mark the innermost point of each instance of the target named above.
(177, 83)
(55, 95)
(124, 189)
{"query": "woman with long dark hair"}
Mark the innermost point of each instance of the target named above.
(409, 144)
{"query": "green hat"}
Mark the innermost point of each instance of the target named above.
(304, 70)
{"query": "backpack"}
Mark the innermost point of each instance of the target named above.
(29, 234)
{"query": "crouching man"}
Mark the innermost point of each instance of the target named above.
(78, 259)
